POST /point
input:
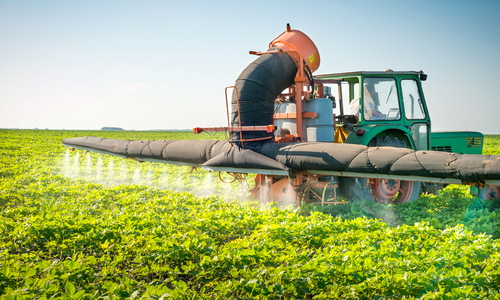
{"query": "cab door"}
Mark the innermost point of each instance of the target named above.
(415, 113)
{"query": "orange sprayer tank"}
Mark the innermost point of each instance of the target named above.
(296, 40)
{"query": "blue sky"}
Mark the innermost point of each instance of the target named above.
(164, 64)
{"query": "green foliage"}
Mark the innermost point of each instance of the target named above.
(454, 206)
(70, 237)
(491, 145)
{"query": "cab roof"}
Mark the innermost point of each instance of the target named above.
(360, 73)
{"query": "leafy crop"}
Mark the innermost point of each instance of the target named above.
(68, 234)
(452, 207)
(492, 145)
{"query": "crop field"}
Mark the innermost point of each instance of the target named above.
(492, 145)
(77, 225)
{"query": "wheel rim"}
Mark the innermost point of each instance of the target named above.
(406, 191)
(492, 193)
(392, 191)
(384, 190)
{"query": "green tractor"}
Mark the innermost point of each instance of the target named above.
(388, 108)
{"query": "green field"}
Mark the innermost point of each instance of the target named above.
(492, 144)
(85, 226)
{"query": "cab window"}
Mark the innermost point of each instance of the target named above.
(380, 99)
(414, 109)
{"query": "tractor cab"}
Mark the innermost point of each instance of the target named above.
(375, 104)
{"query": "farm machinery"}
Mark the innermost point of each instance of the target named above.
(318, 138)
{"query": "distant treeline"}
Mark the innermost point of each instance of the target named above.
(111, 128)
(119, 128)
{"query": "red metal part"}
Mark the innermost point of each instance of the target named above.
(490, 193)
(305, 115)
(289, 138)
(384, 190)
(268, 128)
(304, 47)
(390, 190)
(303, 187)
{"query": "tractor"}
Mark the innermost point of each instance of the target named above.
(372, 108)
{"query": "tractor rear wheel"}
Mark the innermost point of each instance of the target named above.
(390, 190)
(489, 193)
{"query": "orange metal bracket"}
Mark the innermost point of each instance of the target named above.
(305, 115)
(267, 128)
